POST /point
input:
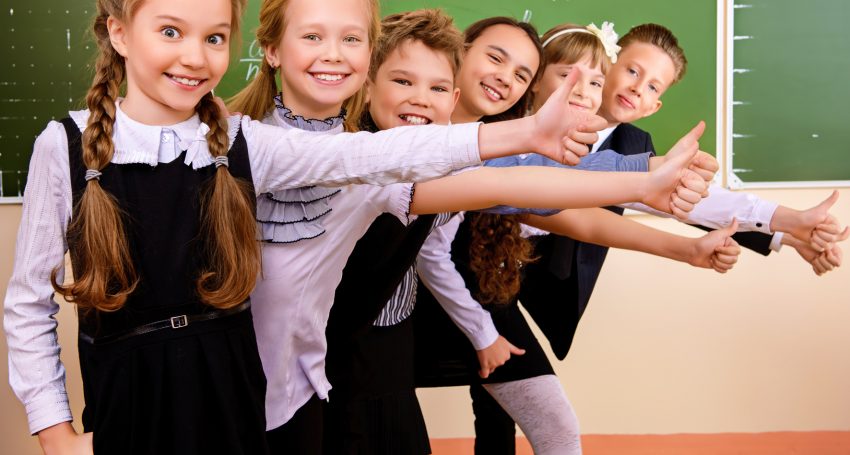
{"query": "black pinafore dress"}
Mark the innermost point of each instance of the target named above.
(197, 389)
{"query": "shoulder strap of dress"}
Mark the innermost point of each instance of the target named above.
(75, 157)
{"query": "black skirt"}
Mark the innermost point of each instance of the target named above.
(444, 356)
(199, 389)
(373, 409)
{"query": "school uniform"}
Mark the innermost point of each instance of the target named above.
(166, 374)
(557, 287)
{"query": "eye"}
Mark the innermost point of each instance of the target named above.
(311, 37)
(495, 58)
(653, 88)
(351, 39)
(632, 71)
(596, 84)
(522, 78)
(216, 39)
(404, 82)
(439, 89)
(170, 32)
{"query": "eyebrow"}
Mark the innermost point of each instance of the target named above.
(182, 21)
(411, 75)
(507, 56)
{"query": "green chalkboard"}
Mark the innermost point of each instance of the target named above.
(45, 56)
(790, 98)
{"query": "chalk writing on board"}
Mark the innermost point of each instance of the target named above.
(254, 60)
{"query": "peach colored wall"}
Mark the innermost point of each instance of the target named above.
(663, 348)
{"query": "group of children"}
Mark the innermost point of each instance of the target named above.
(195, 337)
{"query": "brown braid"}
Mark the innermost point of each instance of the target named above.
(104, 272)
(497, 253)
(227, 225)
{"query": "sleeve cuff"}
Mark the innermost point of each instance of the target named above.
(762, 214)
(485, 337)
(464, 145)
(48, 411)
(776, 241)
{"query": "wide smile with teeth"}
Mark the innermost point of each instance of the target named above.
(414, 119)
(493, 94)
(328, 77)
(185, 80)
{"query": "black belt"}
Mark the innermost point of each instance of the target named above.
(174, 322)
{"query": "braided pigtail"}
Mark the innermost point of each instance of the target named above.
(227, 224)
(497, 253)
(103, 269)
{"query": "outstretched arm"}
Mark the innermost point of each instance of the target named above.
(670, 188)
(714, 250)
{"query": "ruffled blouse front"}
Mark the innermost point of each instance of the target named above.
(288, 216)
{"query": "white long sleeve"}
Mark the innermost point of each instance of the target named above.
(438, 273)
(717, 210)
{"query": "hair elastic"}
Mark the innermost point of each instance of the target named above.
(221, 161)
(92, 174)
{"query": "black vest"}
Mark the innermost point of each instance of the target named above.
(161, 206)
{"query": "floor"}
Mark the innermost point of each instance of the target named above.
(782, 443)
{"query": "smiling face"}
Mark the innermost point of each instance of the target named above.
(414, 86)
(587, 92)
(635, 83)
(497, 70)
(323, 54)
(173, 56)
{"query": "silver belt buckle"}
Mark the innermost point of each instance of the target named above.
(179, 321)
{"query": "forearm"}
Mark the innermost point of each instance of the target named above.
(505, 138)
(530, 186)
(605, 228)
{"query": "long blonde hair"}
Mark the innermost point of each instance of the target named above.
(103, 267)
(256, 99)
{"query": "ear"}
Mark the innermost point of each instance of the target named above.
(654, 108)
(535, 89)
(455, 97)
(368, 91)
(117, 35)
(270, 53)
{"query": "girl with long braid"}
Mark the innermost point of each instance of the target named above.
(153, 196)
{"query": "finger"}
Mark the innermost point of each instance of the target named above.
(823, 263)
(682, 204)
(592, 124)
(833, 256)
(516, 351)
(819, 243)
(730, 259)
(483, 372)
(688, 194)
(706, 162)
(677, 212)
(844, 234)
(588, 138)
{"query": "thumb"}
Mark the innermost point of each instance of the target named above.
(687, 141)
(827, 203)
(562, 94)
(731, 229)
(592, 124)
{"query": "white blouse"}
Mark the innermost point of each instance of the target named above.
(279, 159)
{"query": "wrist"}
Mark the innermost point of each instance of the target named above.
(783, 220)
(510, 137)
(655, 162)
(56, 435)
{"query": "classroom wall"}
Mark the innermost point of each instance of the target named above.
(666, 348)
(663, 348)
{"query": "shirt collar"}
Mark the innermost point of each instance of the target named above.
(139, 143)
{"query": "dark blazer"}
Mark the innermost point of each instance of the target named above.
(557, 287)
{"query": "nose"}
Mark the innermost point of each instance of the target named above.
(193, 54)
(504, 78)
(636, 87)
(332, 52)
(580, 89)
(420, 97)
